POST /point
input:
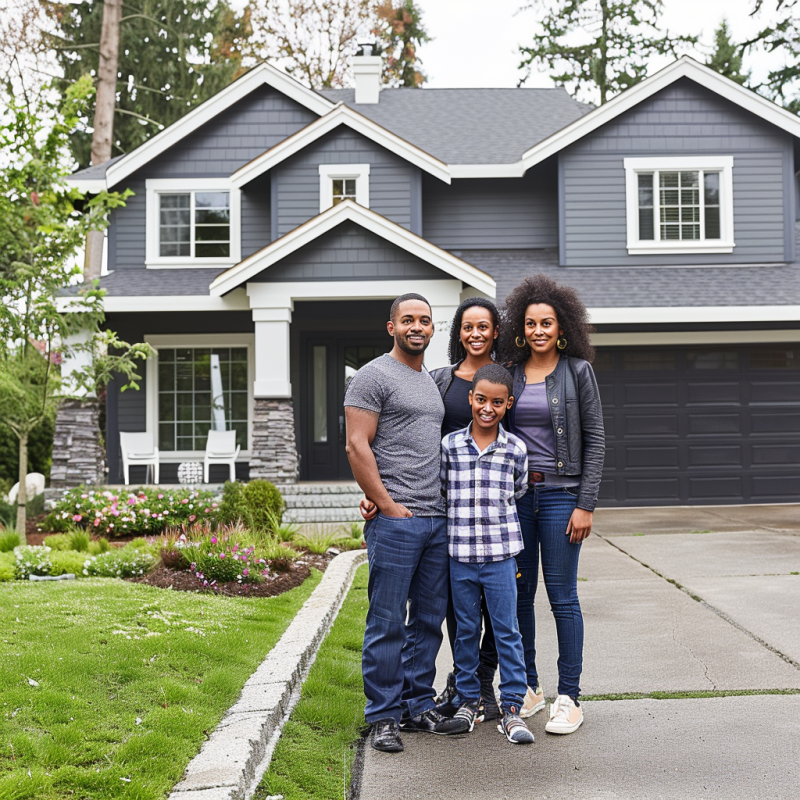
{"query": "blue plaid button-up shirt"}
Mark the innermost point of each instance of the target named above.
(481, 490)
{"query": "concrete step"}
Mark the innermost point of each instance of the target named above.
(334, 501)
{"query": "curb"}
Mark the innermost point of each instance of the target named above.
(235, 757)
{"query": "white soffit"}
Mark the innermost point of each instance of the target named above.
(693, 314)
(340, 115)
(262, 75)
(369, 220)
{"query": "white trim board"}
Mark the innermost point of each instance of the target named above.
(234, 301)
(340, 115)
(697, 338)
(692, 314)
(348, 210)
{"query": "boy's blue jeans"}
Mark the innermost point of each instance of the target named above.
(544, 515)
(499, 583)
(407, 580)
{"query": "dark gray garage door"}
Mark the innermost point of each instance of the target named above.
(696, 425)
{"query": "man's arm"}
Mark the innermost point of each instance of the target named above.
(362, 426)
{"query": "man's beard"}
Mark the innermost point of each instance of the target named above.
(401, 342)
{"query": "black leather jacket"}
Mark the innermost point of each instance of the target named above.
(577, 423)
(443, 377)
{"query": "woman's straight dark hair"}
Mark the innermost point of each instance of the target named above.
(456, 351)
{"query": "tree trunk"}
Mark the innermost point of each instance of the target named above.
(105, 103)
(22, 494)
(603, 66)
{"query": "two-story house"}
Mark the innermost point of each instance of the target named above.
(271, 226)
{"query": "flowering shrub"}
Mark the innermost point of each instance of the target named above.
(143, 511)
(33, 560)
(119, 563)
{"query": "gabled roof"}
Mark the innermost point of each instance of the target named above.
(340, 115)
(348, 210)
(262, 75)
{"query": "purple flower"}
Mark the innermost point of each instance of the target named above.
(213, 540)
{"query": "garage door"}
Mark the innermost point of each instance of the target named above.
(693, 425)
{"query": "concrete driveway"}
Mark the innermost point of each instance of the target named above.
(679, 603)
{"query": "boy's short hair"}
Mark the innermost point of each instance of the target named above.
(402, 299)
(496, 374)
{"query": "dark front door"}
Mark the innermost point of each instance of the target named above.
(330, 364)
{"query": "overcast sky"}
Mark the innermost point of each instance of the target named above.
(475, 41)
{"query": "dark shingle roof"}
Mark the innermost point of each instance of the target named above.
(156, 282)
(96, 172)
(469, 126)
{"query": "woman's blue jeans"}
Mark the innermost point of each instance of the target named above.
(544, 515)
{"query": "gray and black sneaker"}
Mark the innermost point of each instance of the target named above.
(514, 728)
(386, 736)
(432, 721)
(445, 702)
(470, 713)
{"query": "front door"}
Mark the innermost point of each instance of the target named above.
(330, 365)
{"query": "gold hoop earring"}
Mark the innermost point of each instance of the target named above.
(520, 342)
(561, 343)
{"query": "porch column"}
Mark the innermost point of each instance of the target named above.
(273, 450)
(436, 355)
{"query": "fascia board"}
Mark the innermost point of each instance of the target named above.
(515, 170)
(88, 185)
(235, 301)
(314, 228)
(340, 115)
(693, 314)
(263, 74)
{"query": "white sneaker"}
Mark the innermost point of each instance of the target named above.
(565, 716)
(534, 701)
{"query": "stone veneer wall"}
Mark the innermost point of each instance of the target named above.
(78, 457)
(273, 451)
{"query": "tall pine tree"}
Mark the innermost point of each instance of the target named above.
(727, 56)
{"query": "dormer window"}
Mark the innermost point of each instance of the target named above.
(679, 205)
(192, 222)
(338, 182)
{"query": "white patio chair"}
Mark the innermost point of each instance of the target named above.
(138, 449)
(221, 448)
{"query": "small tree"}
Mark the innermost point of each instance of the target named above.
(727, 56)
(44, 225)
(400, 33)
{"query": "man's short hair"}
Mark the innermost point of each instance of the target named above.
(496, 374)
(402, 299)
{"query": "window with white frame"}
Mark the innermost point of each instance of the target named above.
(338, 182)
(679, 205)
(192, 222)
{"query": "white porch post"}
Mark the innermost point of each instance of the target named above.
(272, 352)
(436, 355)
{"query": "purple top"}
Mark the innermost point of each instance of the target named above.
(534, 425)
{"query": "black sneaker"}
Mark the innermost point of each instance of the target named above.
(469, 712)
(386, 736)
(445, 702)
(432, 721)
(487, 705)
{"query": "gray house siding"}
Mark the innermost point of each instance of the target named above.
(256, 215)
(500, 213)
(349, 253)
(391, 179)
(682, 120)
(215, 150)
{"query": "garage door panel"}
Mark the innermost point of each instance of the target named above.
(713, 393)
(775, 392)
(610, 460)
(776, 453)
(651, 457)
(609, 425)
(715, 456)
(770, 489)
(651, 425)
(714, 424)
(715, 488)
(651, 394)
(651, 488)
(774, 422)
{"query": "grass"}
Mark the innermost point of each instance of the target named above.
(108, 688)
(314, 756)
(703, 694)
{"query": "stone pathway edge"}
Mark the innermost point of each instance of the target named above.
(232, 762)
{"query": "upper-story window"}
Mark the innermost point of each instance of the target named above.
(192, 222)
(339, 182)
(679, 205)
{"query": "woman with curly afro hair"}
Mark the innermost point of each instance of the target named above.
(545, 342)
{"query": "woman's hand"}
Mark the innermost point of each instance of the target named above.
(579, 526)
(368, 509)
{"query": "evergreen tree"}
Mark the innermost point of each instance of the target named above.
(598, 48)
(727, 56)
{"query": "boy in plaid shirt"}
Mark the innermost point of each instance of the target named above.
(484, 471)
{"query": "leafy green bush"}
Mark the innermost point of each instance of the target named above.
(35, 505)
(9, 540)
(97, 546)
(7, 566)
(8, 514)
(122, 562)
(58, 541)
(64, 561)
(320, 539)
(33, 560)
(79, 541)
(233, 507)
(265, 504)
(282, 531)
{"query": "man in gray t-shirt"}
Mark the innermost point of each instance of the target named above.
(394, 417)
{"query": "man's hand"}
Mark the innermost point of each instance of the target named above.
(579, 526)
(368, 509)
(396, 511)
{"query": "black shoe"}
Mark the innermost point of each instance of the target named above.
(446, 703)
(432, 721)
(487, 706)
(386, 736)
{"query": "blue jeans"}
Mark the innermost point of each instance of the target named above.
(407, 603)
(543, 515)
(497, 580)
(488, 659)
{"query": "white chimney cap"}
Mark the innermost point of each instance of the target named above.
(367, 73)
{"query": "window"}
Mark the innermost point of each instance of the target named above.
(197, 226)
(679, 205)
(339, 182)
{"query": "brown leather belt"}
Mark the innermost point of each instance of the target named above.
(536, 477)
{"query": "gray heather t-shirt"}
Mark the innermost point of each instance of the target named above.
(407, 444)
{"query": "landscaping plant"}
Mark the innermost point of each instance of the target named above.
(320, 539)
(9, 540)
(264, 502)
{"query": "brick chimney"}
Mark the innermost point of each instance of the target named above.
(367, 72)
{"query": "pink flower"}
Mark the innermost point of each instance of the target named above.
(131, 501)
(192, 517)
(221, 556)
(206, 510)
(193, 566)
(184, 501)
(213, 540)
(161, 497)
(77, 517)
(245, 572)
(213, 505)
(96, 522)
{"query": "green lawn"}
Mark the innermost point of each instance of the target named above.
(108, 689)
(315, 753)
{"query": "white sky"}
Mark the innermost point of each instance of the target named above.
(475, 41)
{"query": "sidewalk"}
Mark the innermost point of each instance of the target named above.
(672, 611)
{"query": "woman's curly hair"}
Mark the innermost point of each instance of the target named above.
(571, 313)
(456, 350)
